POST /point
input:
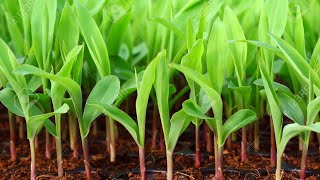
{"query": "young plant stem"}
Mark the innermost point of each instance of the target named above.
(85, 147)
(154, 126)
(305, 147)
(169, 166)
(243, 144)
(256, 140)
(48, 145)
(250, 133)
(142, 164)
(95, 129)
(229, 143)
(300, 143)
(59, 156)
(273, 145)
(208, 138)
(36, 143)
(48, 138)
(58, 145)
(219, 173)
(12, 136)
(33, 159)
(112, 140)
(198, 153)
(216, 153)
(73, 135)
(278, 170)
(21, 127)
(107, 134)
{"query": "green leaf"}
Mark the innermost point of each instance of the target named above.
(236, 121)
(121, 117)
(179, 123)
(238, 51)
(42, 29)
(36, 122)
(277, 13)
(128, 88)
(289, 131)
(313, 111)
(94, 40)
(212, 95)
(68, 31)
(71, 86)
(273, 103)
(170, 25)
(194, 110)
(161, 86)
(104, 92)
(315, 58)
(297, 62)
(15, 34)
(10, 101)
(290, 108)
(116, 34)
(217, 55)
(299, 32)
(277, 86)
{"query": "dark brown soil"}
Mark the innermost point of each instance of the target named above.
(127, 164)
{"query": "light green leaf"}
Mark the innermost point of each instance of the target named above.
(42, 29)
(236, 121)
(290, 108)
(313, 111)
(273, 103)
(68, 31)
(104, 92)
(277, 13)
(121, 117)
(35, 123)
(10, 101)
(71, 86)
(194, 110)
(179, 123)
(161, 86)
(94, 40)
(217, 55)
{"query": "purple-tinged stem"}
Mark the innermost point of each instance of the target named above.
(243, 144)
(208, 138)
(21, 127)
(142, 164)
(256, 141)
(12, 136)
(85, 147)
(273, 145)
(219, 173)
(198, 153)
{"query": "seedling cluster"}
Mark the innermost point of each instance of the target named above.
(229, 66)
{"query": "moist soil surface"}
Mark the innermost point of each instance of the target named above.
(126, 166)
